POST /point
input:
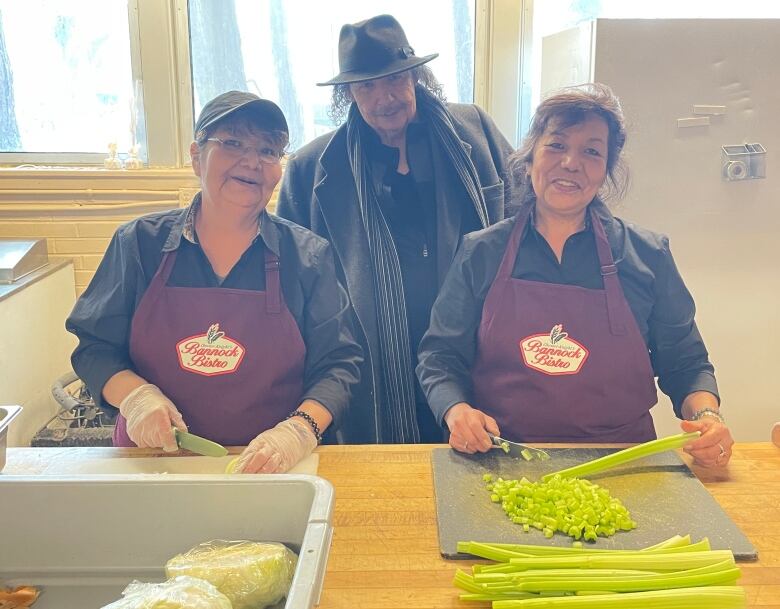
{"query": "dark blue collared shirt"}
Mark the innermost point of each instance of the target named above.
(662, 306)
(102, 316)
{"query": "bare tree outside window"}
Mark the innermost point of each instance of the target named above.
(217, 61)
(464, 47)
(288, 98)
(9, 130)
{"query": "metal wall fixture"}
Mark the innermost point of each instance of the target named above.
(20, 257)
(743, 162)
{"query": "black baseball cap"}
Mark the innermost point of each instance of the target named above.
(225, 104)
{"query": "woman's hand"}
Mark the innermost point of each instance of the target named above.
(151, 417)
(469, 428)
(713, 448)
(278, 449)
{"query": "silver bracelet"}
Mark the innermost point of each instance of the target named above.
(707, 412)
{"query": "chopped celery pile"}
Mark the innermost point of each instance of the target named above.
(673, 574)
(574, 507)
(562, 502)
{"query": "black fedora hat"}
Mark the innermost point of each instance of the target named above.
(374, 48)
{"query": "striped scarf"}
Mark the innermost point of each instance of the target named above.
(399, 417)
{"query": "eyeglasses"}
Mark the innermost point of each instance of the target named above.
(237, 149)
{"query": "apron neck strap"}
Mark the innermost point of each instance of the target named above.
(166, 266)
(273, 301)
(513, 245)
(609, 274)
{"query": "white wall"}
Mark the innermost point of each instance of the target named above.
(35, 349)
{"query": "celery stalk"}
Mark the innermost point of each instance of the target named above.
(543, 574)
(467, 596)
(624, 456)
(723, 571)
(487, 578)
(713, 597)
(517, 577)
(523, 550)
(672, 542)
(636, 559)
(660, 581)
(503, 567)
(489, 551)
(464, 581)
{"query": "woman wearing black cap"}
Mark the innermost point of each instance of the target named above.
(393, 190)
(220, 319)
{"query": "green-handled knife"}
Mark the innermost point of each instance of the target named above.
(199, 445)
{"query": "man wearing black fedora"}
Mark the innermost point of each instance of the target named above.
(393, 189)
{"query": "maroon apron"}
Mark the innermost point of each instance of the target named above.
(562, 363)
(230, 360)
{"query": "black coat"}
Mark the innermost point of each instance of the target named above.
(318, 192)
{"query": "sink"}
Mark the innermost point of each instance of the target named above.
(161, 465)
(84, 538)
(7, 414)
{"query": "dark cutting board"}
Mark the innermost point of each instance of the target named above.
(662, 494)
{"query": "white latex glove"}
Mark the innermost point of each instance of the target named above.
(151, 418)
(277, 449)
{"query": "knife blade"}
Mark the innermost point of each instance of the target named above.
(199, 445)
(514, 449)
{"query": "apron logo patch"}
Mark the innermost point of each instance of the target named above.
(211, 353)
(553, 353)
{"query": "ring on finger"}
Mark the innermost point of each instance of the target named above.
(466, 445)
(721, 454)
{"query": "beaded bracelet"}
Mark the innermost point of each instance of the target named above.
(310, 420)
(708, 412)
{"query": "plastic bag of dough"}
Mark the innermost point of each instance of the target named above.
(18, 598)
(251, 574)
(182, 592)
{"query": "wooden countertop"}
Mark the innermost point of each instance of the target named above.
(385, 548)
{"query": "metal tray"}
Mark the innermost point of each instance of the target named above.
(83, 539)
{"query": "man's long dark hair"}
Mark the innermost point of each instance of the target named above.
(341, 98)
